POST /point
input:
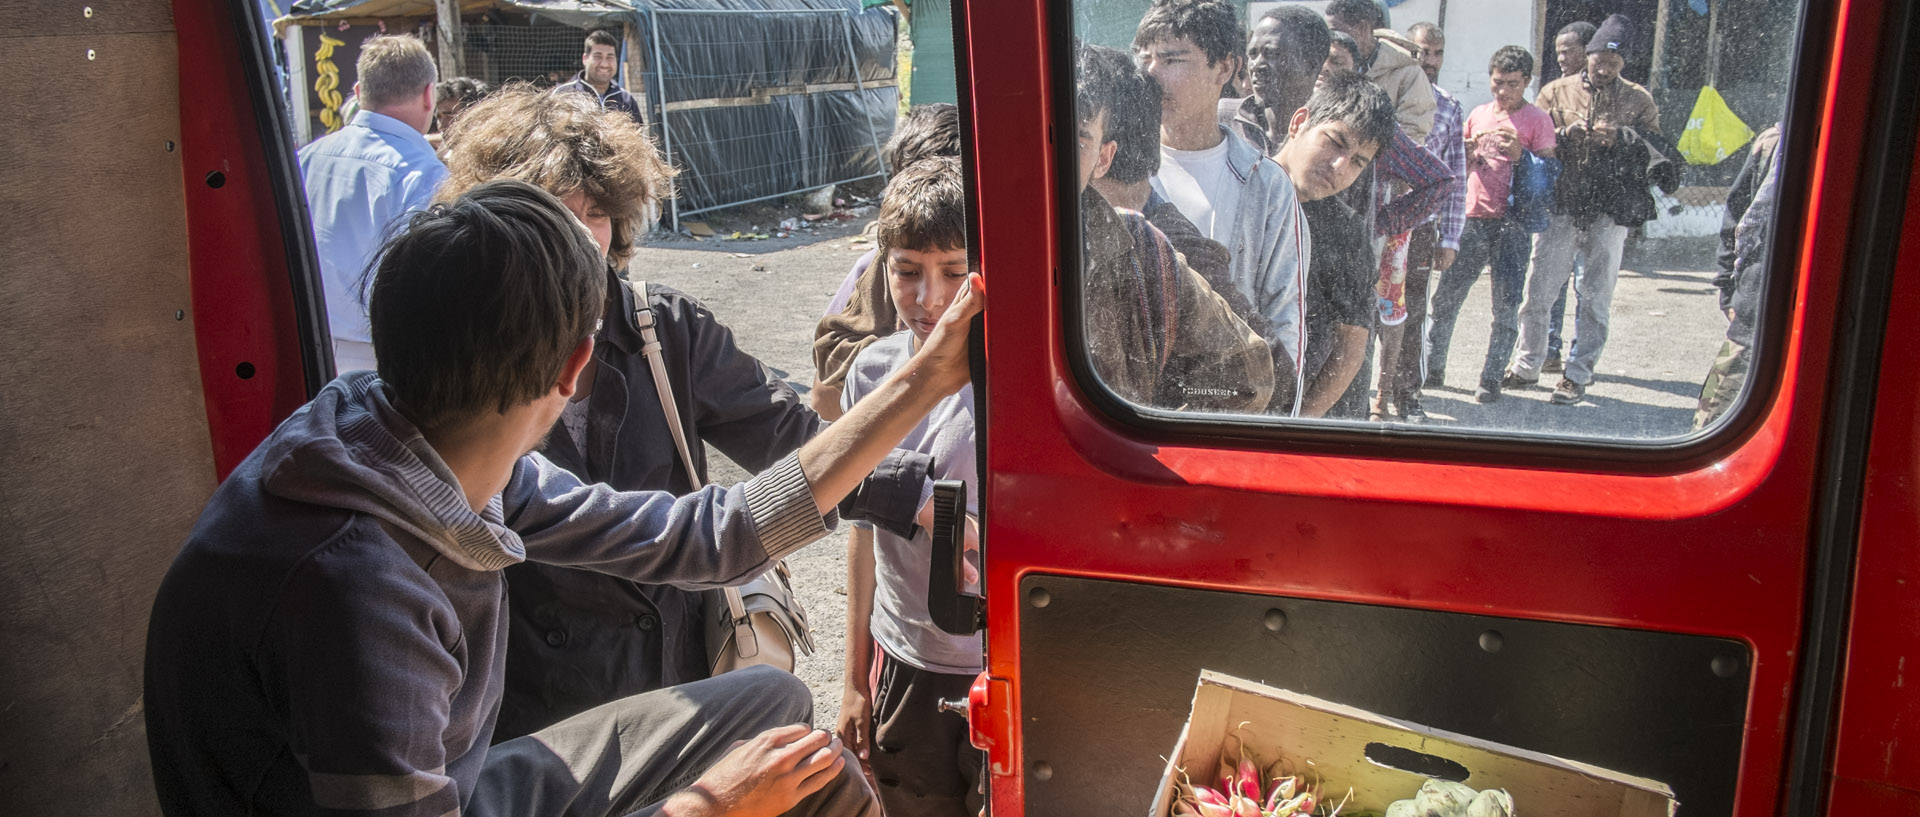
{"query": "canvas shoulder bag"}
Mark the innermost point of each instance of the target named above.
(760, 622)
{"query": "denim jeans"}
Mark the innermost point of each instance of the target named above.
(1486, 242)
(621, 759)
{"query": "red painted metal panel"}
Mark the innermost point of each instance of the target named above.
(1716, 548)
(242, 295)
(1877, 753)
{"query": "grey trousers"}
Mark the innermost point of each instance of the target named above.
(1598, 243)
(625, 757)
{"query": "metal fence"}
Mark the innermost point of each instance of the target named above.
(753, 105)
(542, 52)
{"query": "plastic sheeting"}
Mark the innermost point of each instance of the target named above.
(581, 13)
(793, 143)
(772, 128)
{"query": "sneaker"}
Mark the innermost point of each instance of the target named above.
(1568, 392)
(1486, 394)
(1553, 365)
(1514, 381)
(1410, 411)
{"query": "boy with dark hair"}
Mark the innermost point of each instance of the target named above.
(599, 64)
(860, 313)
(1160, 333)
(1498, 134)
(329, 639)
(1224, 185)
(1329, 143)
(919, 755)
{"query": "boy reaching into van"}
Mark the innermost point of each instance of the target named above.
(900, 665)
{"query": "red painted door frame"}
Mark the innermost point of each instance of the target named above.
(1716, 544)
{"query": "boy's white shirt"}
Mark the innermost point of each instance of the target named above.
(1200, 185)
(900, 622)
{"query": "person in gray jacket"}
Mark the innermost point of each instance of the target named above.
(1224, 185)
(330, 640)
(580, 638)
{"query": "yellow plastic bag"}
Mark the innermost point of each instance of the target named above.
(1713, 133)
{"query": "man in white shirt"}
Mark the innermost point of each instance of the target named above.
(1219, 181)
(363, 179)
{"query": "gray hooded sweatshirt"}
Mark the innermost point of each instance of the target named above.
(330, 639)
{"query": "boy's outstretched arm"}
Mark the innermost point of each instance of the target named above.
(856, 696)
(848, 450)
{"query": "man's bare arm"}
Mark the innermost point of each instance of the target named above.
(848, 450)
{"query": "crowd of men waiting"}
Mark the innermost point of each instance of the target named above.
(474, 582)
(1322, 204)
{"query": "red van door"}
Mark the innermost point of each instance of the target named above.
(1672, 604)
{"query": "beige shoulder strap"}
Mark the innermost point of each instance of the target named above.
(744, 640)
(650, 346)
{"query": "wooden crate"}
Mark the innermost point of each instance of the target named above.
(1276, 724)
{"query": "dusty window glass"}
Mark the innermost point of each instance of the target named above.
(1530, 216)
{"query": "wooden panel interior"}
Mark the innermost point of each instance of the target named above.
(101, 412)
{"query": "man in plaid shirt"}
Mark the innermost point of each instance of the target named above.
(1432, 246)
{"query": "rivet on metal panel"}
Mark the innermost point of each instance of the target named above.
(179, 314)
(244, 370)
(216, 180)
(1276, 620)
(1042, 770)
(90, 54)
(169, 145)
(1039, 597)
(1492, 641)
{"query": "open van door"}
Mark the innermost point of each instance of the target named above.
(157, 321)
(1729, 611)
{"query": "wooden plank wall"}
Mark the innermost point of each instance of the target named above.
(101, 417)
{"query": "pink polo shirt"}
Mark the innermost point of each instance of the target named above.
(1490, 172)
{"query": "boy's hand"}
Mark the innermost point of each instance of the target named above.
(943, 360)
(856, 719)
(763, 777)
(970, 544)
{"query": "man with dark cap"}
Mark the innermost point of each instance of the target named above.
(1599, 118)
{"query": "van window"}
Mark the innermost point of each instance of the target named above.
(1531, 216)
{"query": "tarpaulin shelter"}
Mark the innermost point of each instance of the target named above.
(750, 99)
(756, 99)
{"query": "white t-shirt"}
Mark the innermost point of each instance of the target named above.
(900, 621)
(1199, 183)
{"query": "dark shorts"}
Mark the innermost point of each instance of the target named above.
(921, 757)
